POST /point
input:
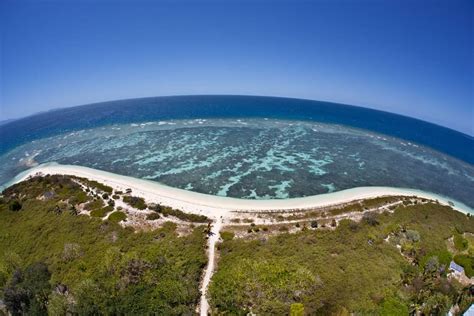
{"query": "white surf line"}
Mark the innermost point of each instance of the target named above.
(216, 206)
(211, 261)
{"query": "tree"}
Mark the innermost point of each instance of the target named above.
(16, 298)
(27, 292)
(15, 206)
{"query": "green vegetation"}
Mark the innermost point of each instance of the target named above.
(168, 211)
(351, 269)
(153, 216)
(226, 236)
(94, 184)
(467, 262)
(54, 261)
(27, 292)
(460, 243)
(358, 206)
(94, 205)
(365, 204)
(136, 202)
(297, 309)
(14, 206)
(101, 212)
(117, 217)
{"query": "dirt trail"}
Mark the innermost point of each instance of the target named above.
(211, 255)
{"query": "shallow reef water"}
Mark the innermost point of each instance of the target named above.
(254, 158)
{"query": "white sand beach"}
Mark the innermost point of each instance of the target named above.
(221, 207)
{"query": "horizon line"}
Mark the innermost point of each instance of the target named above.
(9, 120)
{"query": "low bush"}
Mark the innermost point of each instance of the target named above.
(91, 267)
(135, 201)
(153, 216)
(412, 235)
(97, 185)
(101, 212)
(118, 216)
(226, 236)
(467, 262)
(460, 243)
(348, 275)
(14, 206)
(168, 211)
(94, 205)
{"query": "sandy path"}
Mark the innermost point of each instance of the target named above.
(213, 239)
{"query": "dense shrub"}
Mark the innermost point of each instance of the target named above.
(117, 217)
(94, 205)
(371, 218)
(467, 262)
(355, 276)
(97, 185)
(226, 236)
(136, 202)
(27, 291)
(412, 235)
(153, 216)
(460, 243)
(101, 212)
(14, 206)
(168, 211)
(103, 269)
(297, 309)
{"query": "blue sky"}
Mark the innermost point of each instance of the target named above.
(408, 57)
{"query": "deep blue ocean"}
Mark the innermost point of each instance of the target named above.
(246, 146)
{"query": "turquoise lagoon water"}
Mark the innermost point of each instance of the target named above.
(252, 158)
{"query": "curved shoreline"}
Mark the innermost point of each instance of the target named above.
(218, 206)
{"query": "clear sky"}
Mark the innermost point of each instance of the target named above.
(408, 57)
